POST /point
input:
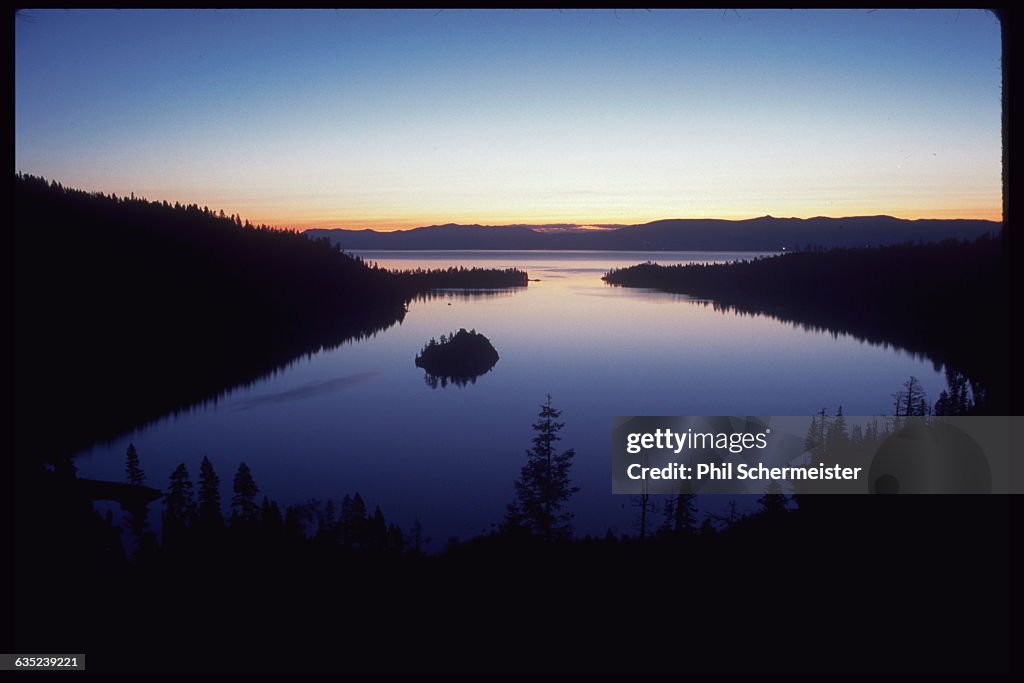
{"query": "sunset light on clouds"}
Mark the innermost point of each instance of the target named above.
(393, 119)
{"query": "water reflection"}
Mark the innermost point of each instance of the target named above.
(309, 389)
(443, 293)
(362, 418)
(435, 381)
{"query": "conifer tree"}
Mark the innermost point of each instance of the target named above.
(836, 439)
(911, 401)
(270, 516)
(684, 512)
(544, 487)
(132, 468)
(416, 541)
(210, 514)
(353, 520)
(243, 503)
(179, 506)
(377, 530)
(179, 502)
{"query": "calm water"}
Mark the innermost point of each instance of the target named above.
(362, 418)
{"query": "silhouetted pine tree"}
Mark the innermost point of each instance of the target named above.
(415, 541)
(327, 530)
(856, 434)
(243, 503)
(396, 539)
(132, 468)
(646, 504)
(270, 517)
(836, 438)
(954, 400)
(544, 486)
(911, 401)
(353, 521)
(137, 516)
(514, 522)
(211, 517)
(872, 431)
(179, 507)
(377, 530)
(684, 513)
(814, 440)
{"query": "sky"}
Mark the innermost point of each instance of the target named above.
(392, 119)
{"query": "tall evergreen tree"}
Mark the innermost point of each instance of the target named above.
(137, 516)
(954, 400)
(377, 530)
(646, 505)
(544, 486)
(328, 529)
(132, 468)
(179, 502)
(416, 541)
(911, 400)
(243, 503)
(811, 438)
(210, 514)
(681, 511)
(270, 516)
(179, 506)
(814, 440)
(353, 520)
(856, 434)
(872, 431)
(684, 512)
(837, 439)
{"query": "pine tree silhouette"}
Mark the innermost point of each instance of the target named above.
(179, 507)
(544, 486)
(243, 503)
(132, 468)
(210, 515)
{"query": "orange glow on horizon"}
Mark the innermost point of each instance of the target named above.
(392, 225)
(307, 215)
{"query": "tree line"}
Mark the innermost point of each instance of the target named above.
(135, 309)
(331, 586)
(947, 300)
(193, 523)
(460, 277)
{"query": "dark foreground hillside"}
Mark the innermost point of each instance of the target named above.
(854, 584)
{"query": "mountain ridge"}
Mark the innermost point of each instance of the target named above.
(763, 233)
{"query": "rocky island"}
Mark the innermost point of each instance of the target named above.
(458, 357)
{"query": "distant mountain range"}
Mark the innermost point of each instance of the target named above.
(755, 234)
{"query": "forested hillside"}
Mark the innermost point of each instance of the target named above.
(127, 309)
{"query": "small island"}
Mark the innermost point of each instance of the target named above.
(458, 357)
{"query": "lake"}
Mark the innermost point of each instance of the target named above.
(361, 417)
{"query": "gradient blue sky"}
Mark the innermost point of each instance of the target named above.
(396, 118)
